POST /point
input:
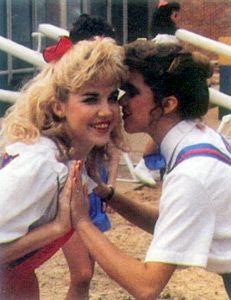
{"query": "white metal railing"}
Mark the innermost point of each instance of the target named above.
(9, 96)
(219, 98)
(17, 71)
(52, 31)
(225, 126)
(209, 45)
(21, 52)
(203, 42)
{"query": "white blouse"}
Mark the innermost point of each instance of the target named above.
(194, 225)
(29, 186)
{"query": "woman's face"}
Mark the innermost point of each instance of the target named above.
(91, 115)
(137, 104)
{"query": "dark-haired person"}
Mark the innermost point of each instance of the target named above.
(164, 21)
(80, 262)
(86, 27)
(164, 26)
(192, 226)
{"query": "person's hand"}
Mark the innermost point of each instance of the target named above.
(63, 218)
(109, 210)
(79, 197)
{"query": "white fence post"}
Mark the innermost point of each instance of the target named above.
(52, 31)
(203, 42)
(9, 96)
(21, 52)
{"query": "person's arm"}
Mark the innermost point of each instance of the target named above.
(143, 280)
(44, 234)
(113, 166)
(140, 279)
(140, 214)
(33, 240)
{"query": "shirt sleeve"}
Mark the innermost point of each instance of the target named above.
(28, 185)
(185, 227)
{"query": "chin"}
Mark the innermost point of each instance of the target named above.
(102, 142)
(130, 129)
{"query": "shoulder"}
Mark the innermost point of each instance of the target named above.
(36, 158)
(165, 39)
(41, 146)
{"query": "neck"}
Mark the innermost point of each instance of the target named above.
(80, 152)
(162, 127)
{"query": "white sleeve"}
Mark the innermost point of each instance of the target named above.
(28, 184)
(185, 227)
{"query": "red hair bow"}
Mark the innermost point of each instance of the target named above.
(56, 51)
(162, 3)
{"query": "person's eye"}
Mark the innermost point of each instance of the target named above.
(90, 100)
(130, 90)
(113, 98)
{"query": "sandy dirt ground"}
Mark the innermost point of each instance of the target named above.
(187, 284)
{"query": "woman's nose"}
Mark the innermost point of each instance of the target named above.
(105, 110)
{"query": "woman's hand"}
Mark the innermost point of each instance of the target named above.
(63, 218)
(79, 197)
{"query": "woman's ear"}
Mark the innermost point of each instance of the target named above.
(169, 104)
(59, 109)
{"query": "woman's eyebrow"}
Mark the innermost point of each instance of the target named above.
(125, 86)
(129, 87)
(92, 94)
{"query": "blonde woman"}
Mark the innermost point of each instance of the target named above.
(68, 111)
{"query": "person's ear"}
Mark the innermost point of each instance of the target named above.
(59, 109)
(169, 104)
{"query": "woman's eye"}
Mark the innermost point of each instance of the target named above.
(90, 100)
(132, 93)
(130, 90)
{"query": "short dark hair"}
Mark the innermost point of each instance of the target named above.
(170, 71)
(161, 19)
(86, 27)
(174, 6)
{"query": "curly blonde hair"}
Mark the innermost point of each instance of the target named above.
(32, 115)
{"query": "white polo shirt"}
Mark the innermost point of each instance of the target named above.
(29, 187)
(194, 225)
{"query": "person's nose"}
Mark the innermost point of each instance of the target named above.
(105, 110)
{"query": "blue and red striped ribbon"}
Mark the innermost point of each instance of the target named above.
(202, 149)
